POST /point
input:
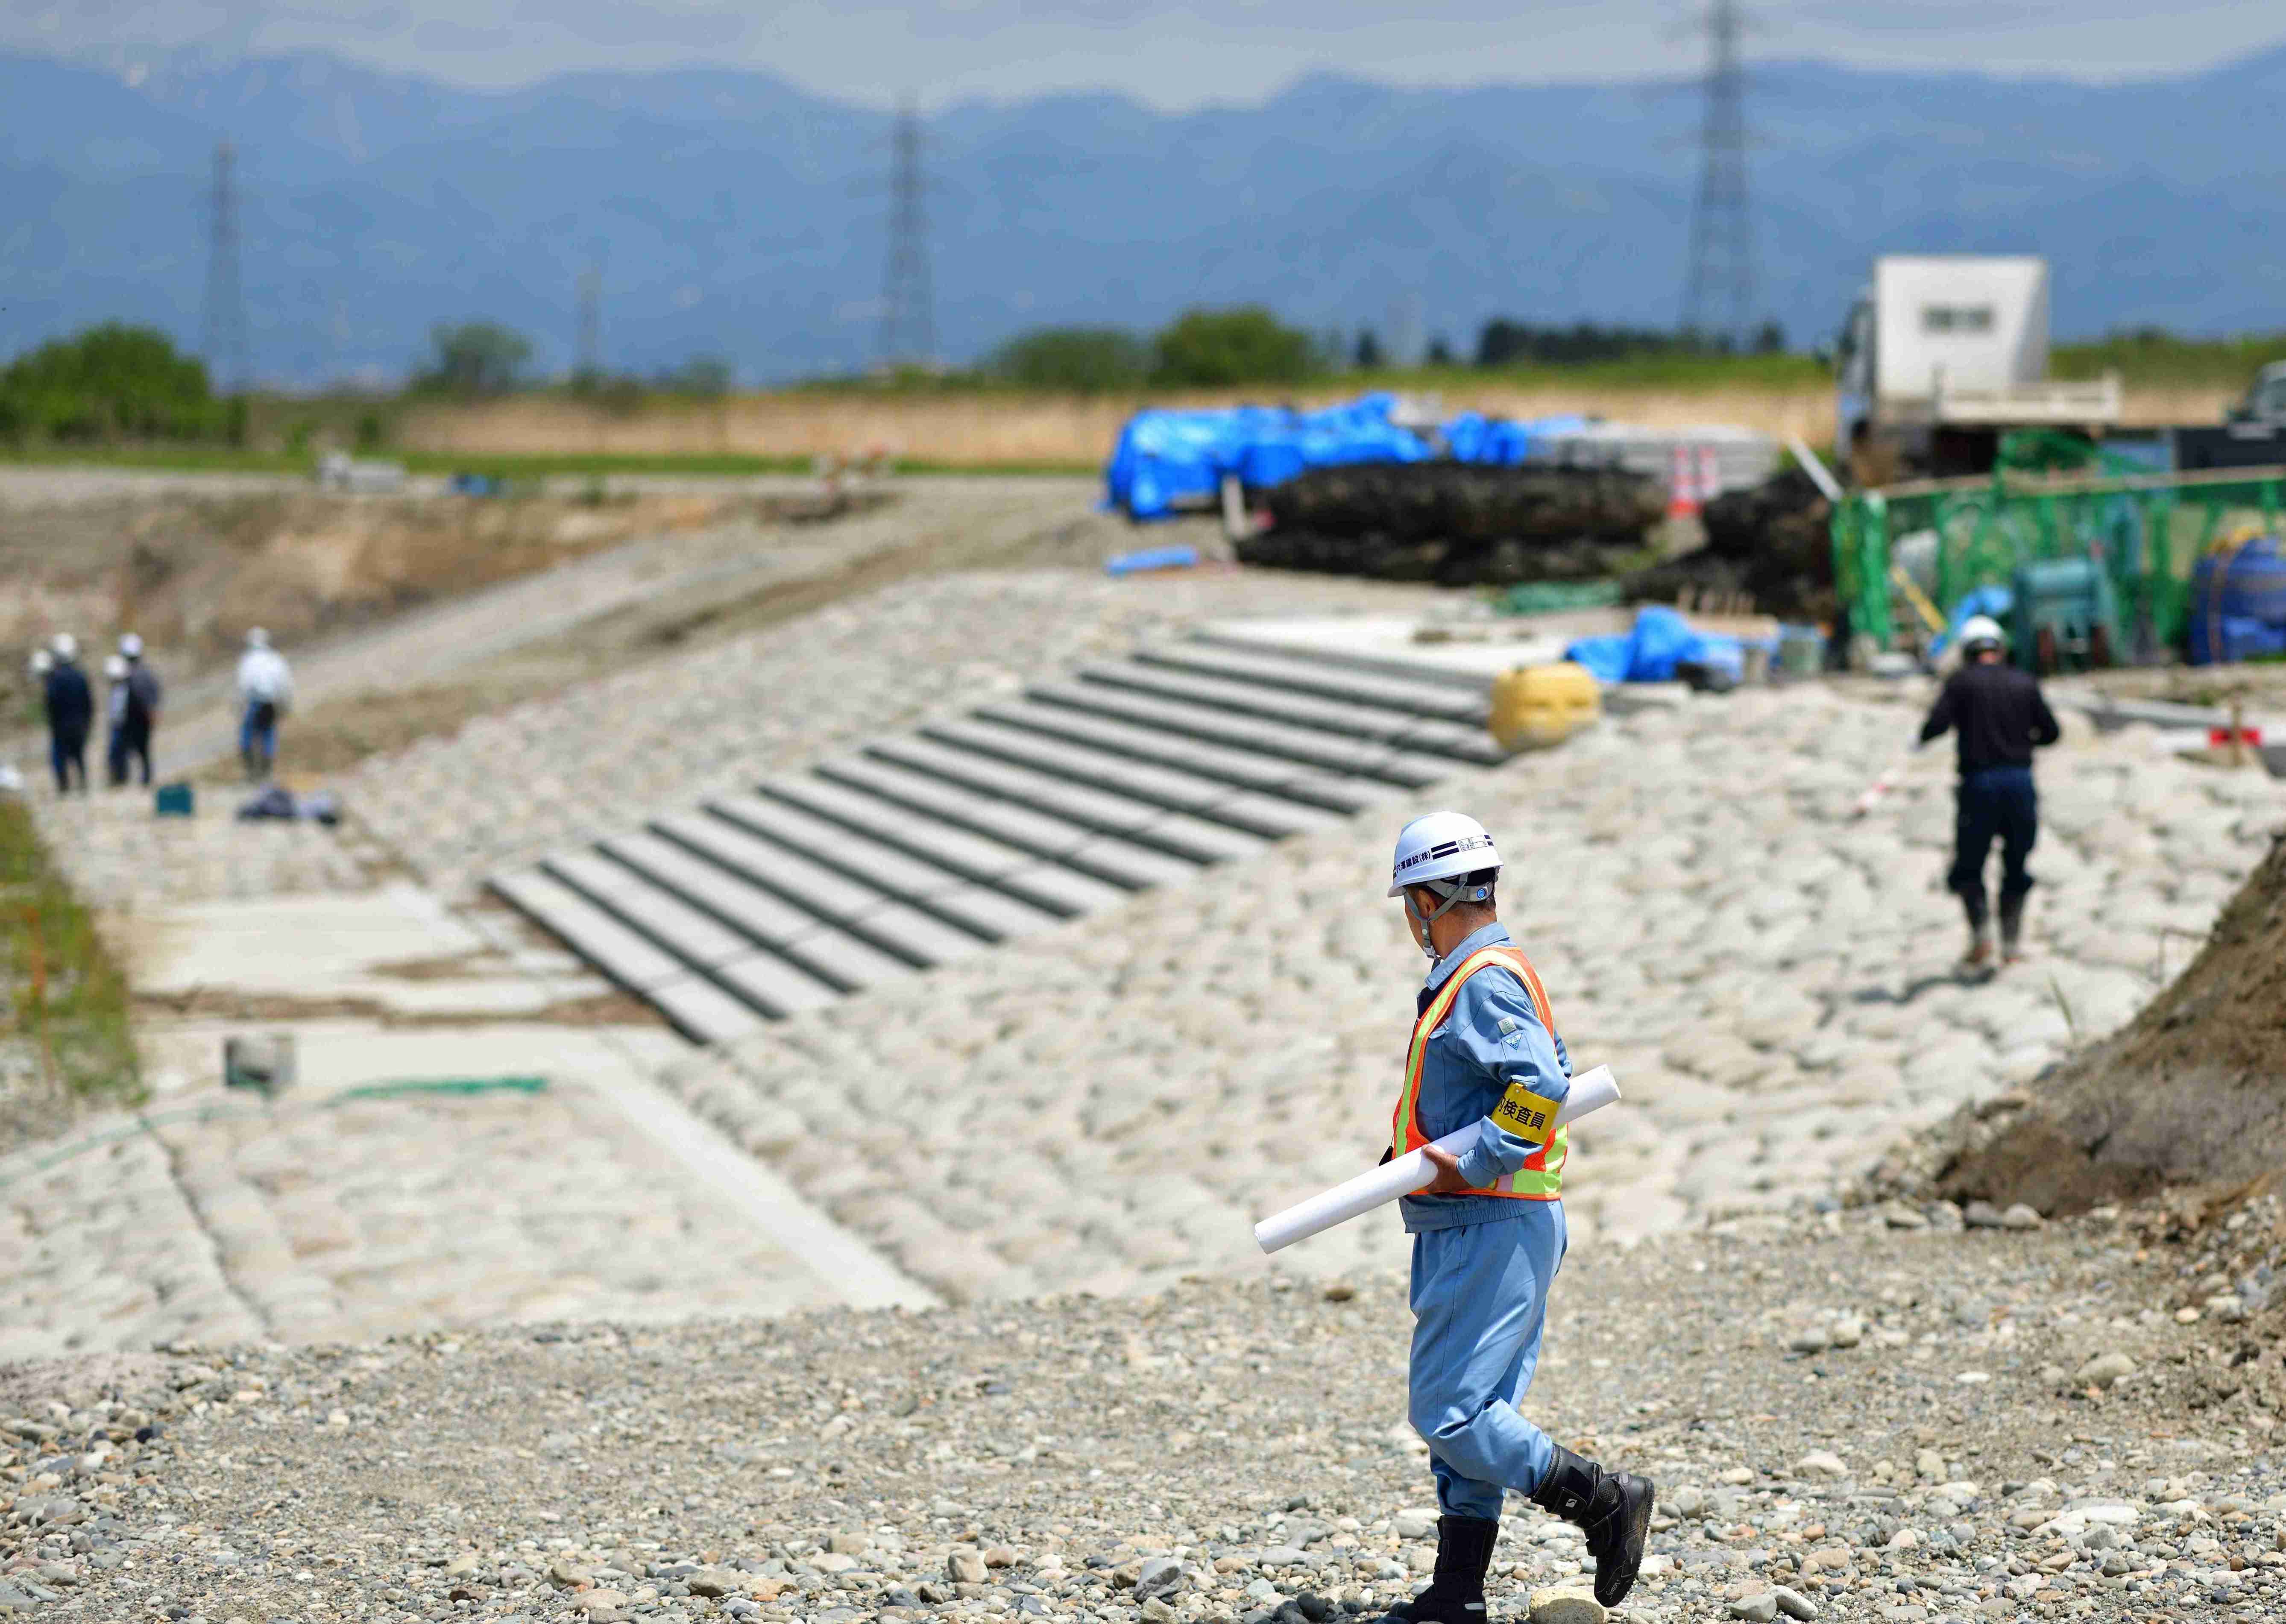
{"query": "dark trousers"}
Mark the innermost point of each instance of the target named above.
(131, 742)
(67, 753)
(1996, 803)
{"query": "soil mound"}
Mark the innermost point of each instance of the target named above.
(2193, 1091)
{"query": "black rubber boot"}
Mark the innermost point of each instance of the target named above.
(1456, 1594)
(1613, 1508)
(2012, 927)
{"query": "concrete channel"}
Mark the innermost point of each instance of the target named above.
(926, 849)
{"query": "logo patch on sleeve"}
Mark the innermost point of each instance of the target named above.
(1529, 1116)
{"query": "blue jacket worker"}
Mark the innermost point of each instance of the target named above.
(2000, 718)
(1488, 1231)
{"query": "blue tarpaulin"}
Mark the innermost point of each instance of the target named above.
(1165, 460)
(1662, 641)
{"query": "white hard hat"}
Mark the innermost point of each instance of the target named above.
(132, 646)
(1440, 846)
(65, 646)
(42, 662)
(1982, 629)
(115, 667)
(257, 638)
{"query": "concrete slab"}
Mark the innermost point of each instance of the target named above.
(1177, 833)
(779, 987)
(1418, 696)
(634, 961)
(1244, 768)
(696, 938)
(826, 894)
(1385, 643)
(1334, 752)
(1460, 741)
(959, 902)
(1007, 868)
(1271, 816)
(307, 946)
(841, 962)
(705, 1014)
(1052, 840)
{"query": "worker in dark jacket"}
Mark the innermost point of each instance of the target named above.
(1997, 715)
(70, 705)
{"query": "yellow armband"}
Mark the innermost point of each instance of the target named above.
(1529, 1116)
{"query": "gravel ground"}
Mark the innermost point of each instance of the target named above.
(1854, 1419)
(1774, 983)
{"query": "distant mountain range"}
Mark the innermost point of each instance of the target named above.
(735, 215)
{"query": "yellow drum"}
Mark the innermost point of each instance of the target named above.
(1534, 706)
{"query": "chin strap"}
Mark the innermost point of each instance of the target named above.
(1453, 894)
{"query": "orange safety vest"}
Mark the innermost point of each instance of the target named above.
(1541, 1176)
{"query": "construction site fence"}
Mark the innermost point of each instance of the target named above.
(1939, 539)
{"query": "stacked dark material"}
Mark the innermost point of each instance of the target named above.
(1458, 524)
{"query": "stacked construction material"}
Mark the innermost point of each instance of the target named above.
(1458, 523)
(1770, 544)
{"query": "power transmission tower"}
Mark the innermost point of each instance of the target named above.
(222, 337)
(907, 336)
(1718, 298)
(589, 366)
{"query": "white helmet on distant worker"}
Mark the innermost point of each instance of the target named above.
(131, 646)
(42, 662)
(257, 638)
(115, 667)
(1981, 630)
(66, 647)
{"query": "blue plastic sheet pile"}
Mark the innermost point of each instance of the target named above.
(1662, 641)
(1167, 460)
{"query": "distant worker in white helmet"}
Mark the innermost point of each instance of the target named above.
(1488, 1234)
(265, 688)
(145, 694)
(1998, 717)
(69, 703)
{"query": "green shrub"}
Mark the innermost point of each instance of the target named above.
(111, 382)
(1082, 360)
(1212, 348)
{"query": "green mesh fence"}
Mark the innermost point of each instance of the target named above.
(2146, 531)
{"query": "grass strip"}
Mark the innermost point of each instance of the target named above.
(63, 994)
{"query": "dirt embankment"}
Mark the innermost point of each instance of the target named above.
(191, 575)
(957, 430)
(2190, 1094)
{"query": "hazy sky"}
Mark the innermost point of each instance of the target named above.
(1174, 54)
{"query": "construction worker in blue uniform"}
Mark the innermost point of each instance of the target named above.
(1488, 1233)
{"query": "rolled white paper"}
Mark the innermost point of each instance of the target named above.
(1402, 1175)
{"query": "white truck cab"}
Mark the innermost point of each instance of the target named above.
(1945, 352)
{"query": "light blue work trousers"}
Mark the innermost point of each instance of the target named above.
(1479, 1303)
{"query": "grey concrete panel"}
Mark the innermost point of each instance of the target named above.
(780, 988)
(1110, 814)
(955, 899)
(1244, 768)
(839, 961)
(840, 899)
(1054, 840)
(1019, 872)
(633, 961)
(705, 1013)
(1384, 692)
(1334, 752)
(1271, 816)
(694, 937)
(1460, 741)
